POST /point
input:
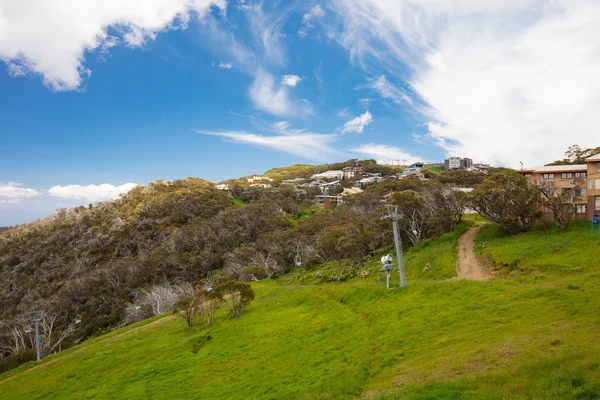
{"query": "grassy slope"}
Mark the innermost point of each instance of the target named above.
(527, 335)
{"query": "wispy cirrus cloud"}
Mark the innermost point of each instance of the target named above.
(358, 124)
(384, 152)
(66, 30)
(500, 80)
(104, 191)
(386, 90)
(298, 142)
(275, 98)
(308, 25)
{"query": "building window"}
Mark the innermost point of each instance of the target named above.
(598, 166)
(566, 175)
(597, 203)
(581, 208)
(548, 177)
(597, 183)
(580, 175)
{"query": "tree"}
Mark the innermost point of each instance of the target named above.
(559, 202)
(576, 155)
(507, 199)
(53, 331)
(186, 308)
(236, 295)
(207, 304)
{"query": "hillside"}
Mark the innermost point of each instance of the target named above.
(93, 269)
(531, 332)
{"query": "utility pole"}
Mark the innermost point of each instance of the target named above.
(394, 216)
(36, 319)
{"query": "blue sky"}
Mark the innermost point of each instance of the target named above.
(96, 96)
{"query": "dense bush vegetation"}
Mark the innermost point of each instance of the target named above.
(105, 264)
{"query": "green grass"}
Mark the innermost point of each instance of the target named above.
(435, 258)
(574, 251)
(532, 333)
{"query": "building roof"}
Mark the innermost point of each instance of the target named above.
(559, 168)
(593, 158)
(353, 190)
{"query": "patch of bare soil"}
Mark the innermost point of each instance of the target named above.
(467, 266)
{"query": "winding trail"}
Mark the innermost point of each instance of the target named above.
(467, 266)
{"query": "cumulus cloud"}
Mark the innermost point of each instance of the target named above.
(357, 125)
(104, 191)
(384, 152)
(15, 191)
(50, 38)
(290, 80)
(499, 80)
(274, 98)
(297, 142)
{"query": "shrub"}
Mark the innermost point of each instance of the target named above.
(236, 295)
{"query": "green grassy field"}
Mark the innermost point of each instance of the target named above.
(530, 333)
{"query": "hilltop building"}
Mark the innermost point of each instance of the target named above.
(451, 163)
(581, 180)
(351, 172)
(329, 175)
(258, 179)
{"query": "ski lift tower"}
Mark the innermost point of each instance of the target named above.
(394, 216)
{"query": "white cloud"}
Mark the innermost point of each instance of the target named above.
(290, 80)
(90, 192)
(357, 125)
(298, 142)
(10, 201)
(307, 20)
(497, 80)
(343, 113)
(388, 91)
(13, 190)
(384, 152)
(225, 65)
(275, 99)
(50, 38)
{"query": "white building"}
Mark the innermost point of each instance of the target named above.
(329, 175)
(256, 179)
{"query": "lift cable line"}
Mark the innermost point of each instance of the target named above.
(394, 216)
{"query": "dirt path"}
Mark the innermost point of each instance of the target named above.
(158, 321)
(467, 266)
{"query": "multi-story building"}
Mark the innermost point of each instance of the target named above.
(593, 189)
(466, 163)
(452, 163)
(582, 181)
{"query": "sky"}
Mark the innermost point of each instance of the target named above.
(97, 96)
